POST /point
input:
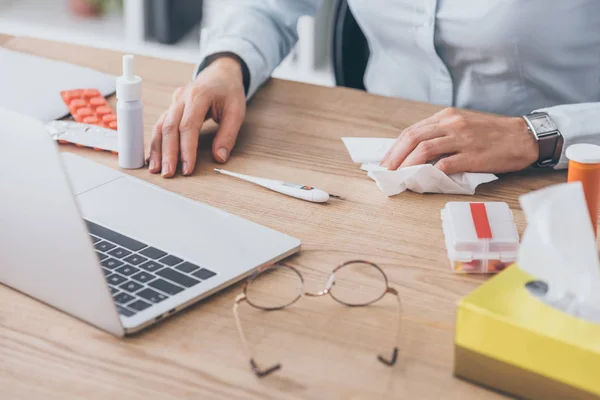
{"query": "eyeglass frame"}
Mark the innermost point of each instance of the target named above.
(328, 286)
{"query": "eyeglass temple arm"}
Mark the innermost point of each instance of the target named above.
(255, 368)
(391, 361)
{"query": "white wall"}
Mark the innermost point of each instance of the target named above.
(123, 30)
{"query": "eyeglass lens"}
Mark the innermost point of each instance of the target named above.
(358, 284)
(275, 288)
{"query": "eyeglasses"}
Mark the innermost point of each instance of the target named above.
(278, 286)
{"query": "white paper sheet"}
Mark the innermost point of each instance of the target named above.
(419, 178)
(31, 85)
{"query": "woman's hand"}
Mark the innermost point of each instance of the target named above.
(217, 93)
(465, 141)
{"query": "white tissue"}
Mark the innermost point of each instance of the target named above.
(423, 178)
(559, 248)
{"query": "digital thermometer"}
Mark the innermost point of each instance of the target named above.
(302, 192)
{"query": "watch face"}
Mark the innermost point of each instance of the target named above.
(543, 125)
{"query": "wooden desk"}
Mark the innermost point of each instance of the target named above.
(292, 132)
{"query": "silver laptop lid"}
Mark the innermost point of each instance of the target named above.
(45, 250)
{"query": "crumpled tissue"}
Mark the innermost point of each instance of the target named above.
(559, 248)
(423, 178)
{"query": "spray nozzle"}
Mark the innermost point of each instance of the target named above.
(128, 67)
(129, 85)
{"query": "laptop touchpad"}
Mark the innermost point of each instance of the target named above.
(85, 175)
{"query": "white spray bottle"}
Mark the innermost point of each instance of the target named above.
(130, 117)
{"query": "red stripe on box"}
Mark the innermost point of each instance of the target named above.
(481, 221)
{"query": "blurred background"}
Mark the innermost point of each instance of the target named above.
(170, 29)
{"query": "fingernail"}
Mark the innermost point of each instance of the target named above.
(223, 154)
(152, 165)
(166, 169)
(184, 168)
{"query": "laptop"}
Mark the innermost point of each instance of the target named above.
(110, 249)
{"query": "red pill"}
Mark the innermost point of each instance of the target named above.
(89, 93)
(84, 112)
(109, 118)
(91, 120)
(77, 104)
(97, 102)
(102, 111)
(69, 95)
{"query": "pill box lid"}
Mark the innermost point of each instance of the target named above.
(480, 231)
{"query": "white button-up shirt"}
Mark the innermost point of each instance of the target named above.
(509, 57)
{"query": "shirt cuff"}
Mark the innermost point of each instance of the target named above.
(246, 51)
(577, 123)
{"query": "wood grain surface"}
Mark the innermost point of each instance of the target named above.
(292, 132)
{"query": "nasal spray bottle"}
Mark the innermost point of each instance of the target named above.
(130, 118)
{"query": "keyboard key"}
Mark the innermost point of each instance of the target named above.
(119, 252)
(95, 239)
(143, 277)
(187, 267)
(115, 279)
(125, 312)
(113, 290)
(177, 277)
(139, 305)
(170, 260)
(204, 274)
(136, 259)
(101, 256)
(153, 253)
(123, 298)
(165, 286)
(131, 286)
(104, 246)
(127, 270)
(151, 266)
(152, 295)
(114, 237)
(106, 271)
(111, 263)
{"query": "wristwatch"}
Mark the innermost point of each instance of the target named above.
(548, 137)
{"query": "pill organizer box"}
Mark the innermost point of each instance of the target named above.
(480, 237)
(88, 106)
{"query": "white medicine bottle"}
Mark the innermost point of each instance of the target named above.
(130, 117)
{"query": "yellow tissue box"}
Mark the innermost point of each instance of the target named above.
(511, 341)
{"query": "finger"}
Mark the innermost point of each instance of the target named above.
(196, 108)
(154, 154)
(434, 119)
(229, 128)
(170, 138)
(454, 164)
(430, 150)
(408, 142)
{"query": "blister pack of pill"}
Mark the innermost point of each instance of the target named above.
(88, 106)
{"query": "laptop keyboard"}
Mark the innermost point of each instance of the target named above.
(139, 275)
